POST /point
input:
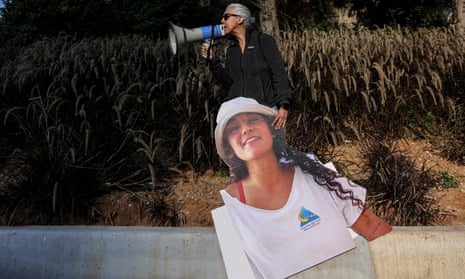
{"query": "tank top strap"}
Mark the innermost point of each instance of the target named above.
(240, 189)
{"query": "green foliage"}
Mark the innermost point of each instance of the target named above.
(448, 180)
(303, 15)
(413, 14)
(25, 21)
(422, 124)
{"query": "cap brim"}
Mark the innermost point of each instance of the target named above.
(232, 108)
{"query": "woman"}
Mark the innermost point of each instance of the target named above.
(254, 67)
(290, 210)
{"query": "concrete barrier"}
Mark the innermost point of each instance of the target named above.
(109, 252)
(153, 252)
(420, 252)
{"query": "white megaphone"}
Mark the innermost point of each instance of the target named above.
(178, 35)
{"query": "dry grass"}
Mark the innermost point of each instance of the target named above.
(125, 114)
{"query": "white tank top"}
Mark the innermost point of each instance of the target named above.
(309, 229)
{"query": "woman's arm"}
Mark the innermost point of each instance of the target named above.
(370, 226)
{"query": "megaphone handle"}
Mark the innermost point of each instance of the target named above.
(209, 50)
(212, 40)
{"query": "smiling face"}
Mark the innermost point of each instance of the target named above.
(249, 136)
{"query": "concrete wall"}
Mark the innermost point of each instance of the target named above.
(109, 252)
(152, 252)
(420, 252)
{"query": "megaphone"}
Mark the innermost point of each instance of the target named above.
(179, 35)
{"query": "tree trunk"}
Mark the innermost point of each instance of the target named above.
(460, 12)
(268, 17)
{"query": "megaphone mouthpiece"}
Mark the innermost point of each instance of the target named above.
(178, 36)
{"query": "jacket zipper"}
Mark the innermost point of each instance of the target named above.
(242, 73)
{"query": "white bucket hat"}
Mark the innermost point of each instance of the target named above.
(231, 108)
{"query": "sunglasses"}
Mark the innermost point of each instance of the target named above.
(226, 16)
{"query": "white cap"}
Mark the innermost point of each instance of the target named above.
(231, 108)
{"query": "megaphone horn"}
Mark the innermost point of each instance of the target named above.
(179, 35)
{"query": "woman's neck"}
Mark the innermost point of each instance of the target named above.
(268, 185)
(265, 173)
(241, 37)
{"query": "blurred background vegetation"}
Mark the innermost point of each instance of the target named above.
(24, 21)
(92, 101)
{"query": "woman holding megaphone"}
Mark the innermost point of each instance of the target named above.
(253, 67)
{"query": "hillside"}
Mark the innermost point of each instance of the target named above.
(195, 196)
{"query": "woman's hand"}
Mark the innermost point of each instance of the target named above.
(281, 119)
(204, 49)
(370, 226)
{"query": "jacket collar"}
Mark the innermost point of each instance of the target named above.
(248, 35)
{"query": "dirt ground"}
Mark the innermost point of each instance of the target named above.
(195, 196)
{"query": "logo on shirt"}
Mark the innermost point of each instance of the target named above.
(307, 219)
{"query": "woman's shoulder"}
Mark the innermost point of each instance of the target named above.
(264, 37)
(232, 190)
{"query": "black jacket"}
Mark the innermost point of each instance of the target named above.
(258, 73)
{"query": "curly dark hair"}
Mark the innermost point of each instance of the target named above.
(289, 156)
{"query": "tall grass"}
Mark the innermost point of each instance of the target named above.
(103, 114)
(348, 83)
(399, 189)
